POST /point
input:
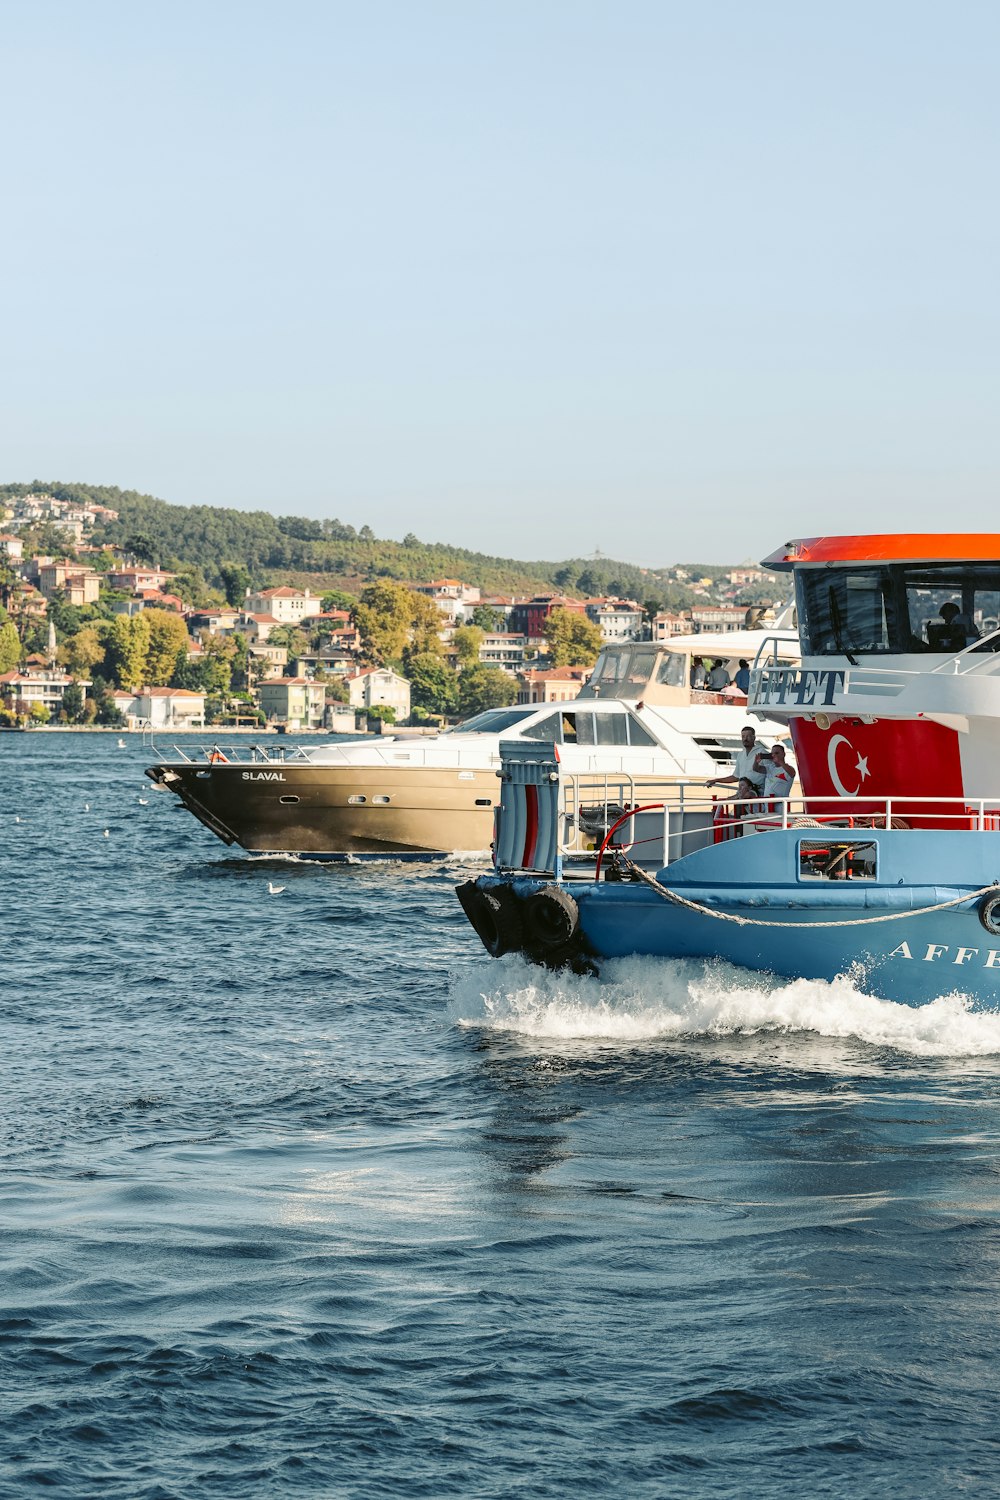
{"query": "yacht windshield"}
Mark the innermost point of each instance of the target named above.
(898, 608)
(493, 721)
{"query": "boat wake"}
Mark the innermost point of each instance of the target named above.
(642, 1000)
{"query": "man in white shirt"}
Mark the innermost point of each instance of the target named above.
(745, 762)
(779, 774)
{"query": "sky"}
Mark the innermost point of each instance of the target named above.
(537, 277)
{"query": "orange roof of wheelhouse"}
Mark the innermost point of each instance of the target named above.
(889, 546)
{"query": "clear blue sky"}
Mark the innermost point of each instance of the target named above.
(534, 276)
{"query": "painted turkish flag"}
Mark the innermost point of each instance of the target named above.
(908, 759)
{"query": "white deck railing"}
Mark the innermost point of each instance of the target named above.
(549, 819)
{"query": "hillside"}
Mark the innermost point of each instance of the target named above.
(332, 554)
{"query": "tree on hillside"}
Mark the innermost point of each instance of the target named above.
(127, 653)
(235, 582)
(433, 684)
(487, 618)
(390, 616)
(168, 639)
(10, 647)
(336, 599)
(72, 704)
(481, 687)
(574, 641)
(141, 546)
(426, 621)
(83, 651)
(295, 641)
(467, 640)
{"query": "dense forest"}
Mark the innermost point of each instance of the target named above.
(332, 554)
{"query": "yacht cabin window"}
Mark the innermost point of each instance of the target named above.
(582, 727)
(898, 608)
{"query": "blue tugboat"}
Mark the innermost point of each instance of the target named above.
(884, 868)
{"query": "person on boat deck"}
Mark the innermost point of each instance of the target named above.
(698, 673)
(779, 773)
(953, 631)
(742, 678)
(718, 678)
(748, 763)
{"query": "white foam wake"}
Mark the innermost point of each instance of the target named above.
(644, 999)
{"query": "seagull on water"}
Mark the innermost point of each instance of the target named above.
(275, 890)
(107, 833)
(86, 807)
(143, 801)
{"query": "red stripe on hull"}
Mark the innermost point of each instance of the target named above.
(531, 831)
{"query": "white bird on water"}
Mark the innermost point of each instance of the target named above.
(121, 744)
(143, 801)
(86, 807)
(107, 833)
(275, 890)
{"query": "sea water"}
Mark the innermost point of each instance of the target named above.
(303, 1195)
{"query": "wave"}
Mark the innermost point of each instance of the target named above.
(647, 1000)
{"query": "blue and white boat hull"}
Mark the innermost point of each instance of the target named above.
(896, 935)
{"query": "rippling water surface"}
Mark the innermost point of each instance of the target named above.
(304, 1195)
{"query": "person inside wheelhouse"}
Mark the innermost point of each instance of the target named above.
(897, 609)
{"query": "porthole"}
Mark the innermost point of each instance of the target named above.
(380, 800)
(288, 799)
(354, 801)
(483, 802)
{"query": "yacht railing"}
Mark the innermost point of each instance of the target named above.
(216, 753)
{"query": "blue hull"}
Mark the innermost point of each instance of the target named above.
(914, 957)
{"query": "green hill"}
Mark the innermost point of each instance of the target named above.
(332, 554)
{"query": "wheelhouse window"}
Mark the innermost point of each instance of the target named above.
(673, 670)
(898, 609)
(831, 859)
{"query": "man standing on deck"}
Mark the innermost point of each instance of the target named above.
(745, 762)
(779, 774)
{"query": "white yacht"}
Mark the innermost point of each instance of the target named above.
(633, 724)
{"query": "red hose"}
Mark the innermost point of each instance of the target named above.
(647, 807)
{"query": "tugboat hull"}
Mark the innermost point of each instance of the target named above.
(897, 938)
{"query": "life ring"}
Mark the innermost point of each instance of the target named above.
(496, 916)
(551, 921)
(989, 913)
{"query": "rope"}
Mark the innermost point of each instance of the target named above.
(723, 916)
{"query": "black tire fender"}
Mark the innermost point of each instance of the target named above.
(496, 916)
(989, 913)
(551, 920)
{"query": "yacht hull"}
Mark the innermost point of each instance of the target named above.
(338, 811)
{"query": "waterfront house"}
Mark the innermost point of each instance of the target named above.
(292, 700)
(551, 684)
(379, 686)
(170, 708)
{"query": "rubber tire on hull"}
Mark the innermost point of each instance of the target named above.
(551, 921)
(989, 913)
(496, 916)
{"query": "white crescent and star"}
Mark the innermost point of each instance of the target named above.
(860, 765)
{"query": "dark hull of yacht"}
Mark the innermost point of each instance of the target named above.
(337, 811)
